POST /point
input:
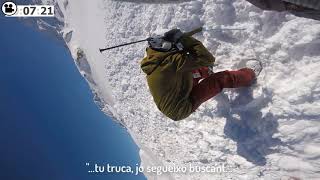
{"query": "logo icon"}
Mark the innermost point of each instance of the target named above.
(9, 8)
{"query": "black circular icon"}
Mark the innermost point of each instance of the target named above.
(9, 8)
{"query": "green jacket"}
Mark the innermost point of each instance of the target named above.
(170, 78)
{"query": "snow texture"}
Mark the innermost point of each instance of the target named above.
(268, 131)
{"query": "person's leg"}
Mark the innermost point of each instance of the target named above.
(214, 84)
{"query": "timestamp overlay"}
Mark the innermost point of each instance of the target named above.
(10, 9)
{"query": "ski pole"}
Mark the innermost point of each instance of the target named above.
(125, 44)
(195, 31)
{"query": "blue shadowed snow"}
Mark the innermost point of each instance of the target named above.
(246, 126)
(50, 126)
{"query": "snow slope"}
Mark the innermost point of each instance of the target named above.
(269, 131)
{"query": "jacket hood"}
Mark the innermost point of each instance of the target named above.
(153, 60)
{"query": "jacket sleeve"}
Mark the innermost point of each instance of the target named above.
(194, 57)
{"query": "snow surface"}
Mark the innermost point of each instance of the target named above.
(269, 131)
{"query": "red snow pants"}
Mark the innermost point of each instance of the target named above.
(213, 84)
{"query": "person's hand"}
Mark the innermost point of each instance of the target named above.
(173, 35)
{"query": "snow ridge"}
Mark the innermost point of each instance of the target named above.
(268, 131)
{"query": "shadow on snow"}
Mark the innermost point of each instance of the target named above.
(247, 126)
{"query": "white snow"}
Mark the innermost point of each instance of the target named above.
(269, 131)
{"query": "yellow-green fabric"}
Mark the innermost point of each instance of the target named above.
(170, 78)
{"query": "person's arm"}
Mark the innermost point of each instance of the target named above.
(197, 56)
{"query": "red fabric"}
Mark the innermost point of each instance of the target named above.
(214, 84)
(204, 73)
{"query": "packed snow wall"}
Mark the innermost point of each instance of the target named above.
(269, 131)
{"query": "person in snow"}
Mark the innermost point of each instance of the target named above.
(170, 63)
(301, 8)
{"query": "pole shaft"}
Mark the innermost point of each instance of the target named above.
(125, 44)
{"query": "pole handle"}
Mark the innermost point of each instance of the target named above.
(195, 31)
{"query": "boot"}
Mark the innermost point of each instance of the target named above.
(255, 65)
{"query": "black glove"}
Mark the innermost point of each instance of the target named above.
(173, 35)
